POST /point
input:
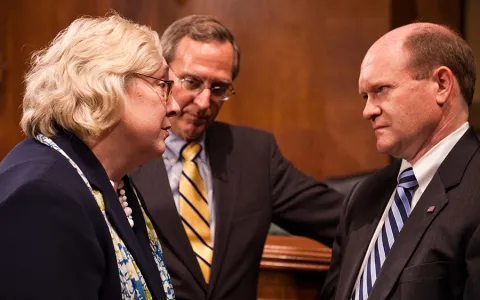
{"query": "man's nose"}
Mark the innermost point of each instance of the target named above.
(371, 110)
(203, 99)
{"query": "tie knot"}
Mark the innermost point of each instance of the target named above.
(191, 150)
(407, 179)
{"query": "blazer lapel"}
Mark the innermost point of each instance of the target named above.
(152, 181)
(146, 264)
(448, 175)
(219, 147)
(361, 231)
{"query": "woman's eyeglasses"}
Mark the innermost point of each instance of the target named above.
(164, 85)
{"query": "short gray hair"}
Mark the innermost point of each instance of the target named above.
(201, 28)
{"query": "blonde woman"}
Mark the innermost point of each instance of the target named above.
(72, 226)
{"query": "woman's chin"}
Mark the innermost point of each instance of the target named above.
(159, 149)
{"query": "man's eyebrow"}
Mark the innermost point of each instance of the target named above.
(222, 82)
(199, 78)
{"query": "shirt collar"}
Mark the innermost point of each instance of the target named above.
(428, 164)
(174, 144)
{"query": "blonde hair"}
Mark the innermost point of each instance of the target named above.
(78, 83)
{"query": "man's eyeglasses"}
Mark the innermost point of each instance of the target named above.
(165, 86)
(219, 91)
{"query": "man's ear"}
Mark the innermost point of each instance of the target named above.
(445, 81)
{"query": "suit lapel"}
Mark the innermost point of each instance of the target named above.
(152, 180)
(408, 239)
(380, 187)
(219, 147)
(98, 179)
(447, 177)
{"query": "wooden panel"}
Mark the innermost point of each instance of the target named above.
(447, 12)
(289, 285)
(29, 26)
(298, 79)
(292, 268)
(472, 35)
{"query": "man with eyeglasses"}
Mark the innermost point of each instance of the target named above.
(218, 186)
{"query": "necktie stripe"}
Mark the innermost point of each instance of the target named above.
(194, 210)
(390, 236)
(394, 222)
(191, 194)
(384, 241)
(199, 238)
(369, 273)
(203, 260)
(408, 185)
(192, 183)
(191, 151)
(404, 208)
(196, 222)
(204, 252)
(192, 173)
(407, 173)
(200, 215)
(404, 196)
(204, 268)
(410, 193)
(407, 179)
(378, 255)
(372, 270)
(363, 289)
(196, 165)
(397, 216)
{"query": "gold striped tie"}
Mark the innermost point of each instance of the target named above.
(194, 209)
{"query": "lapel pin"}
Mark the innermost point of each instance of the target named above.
(431, 209)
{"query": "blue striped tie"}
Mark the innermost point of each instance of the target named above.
(397, 216)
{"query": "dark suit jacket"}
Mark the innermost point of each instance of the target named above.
(253, 184)
(54, 242)
(437, 254)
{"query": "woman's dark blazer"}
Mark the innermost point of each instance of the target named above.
(54, 241)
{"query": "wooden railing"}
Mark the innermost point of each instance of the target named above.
(292, 268)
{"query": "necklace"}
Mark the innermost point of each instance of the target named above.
(122, 197)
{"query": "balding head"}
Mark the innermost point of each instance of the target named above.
(430, 46)
(416, 81)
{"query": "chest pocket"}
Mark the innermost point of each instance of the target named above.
(425, 281)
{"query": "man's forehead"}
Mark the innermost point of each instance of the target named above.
(385, 53)
(393, 41)
(206, 60)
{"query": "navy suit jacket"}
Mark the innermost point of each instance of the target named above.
(437, 253)
(54, 241)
